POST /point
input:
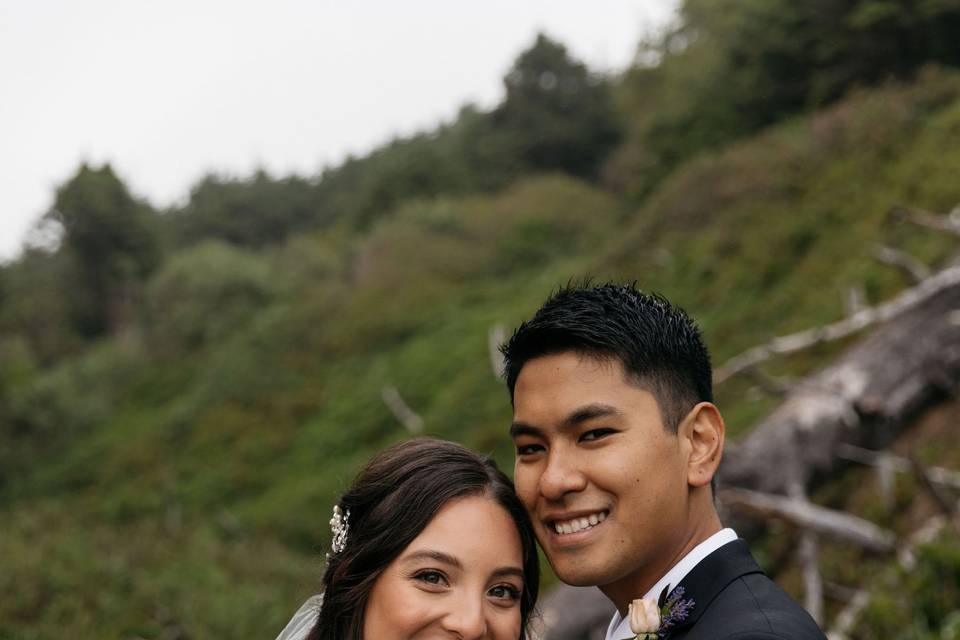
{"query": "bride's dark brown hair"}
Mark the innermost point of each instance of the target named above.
(391, 502)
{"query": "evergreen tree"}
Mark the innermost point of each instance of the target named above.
(556, 115)
(109, 239)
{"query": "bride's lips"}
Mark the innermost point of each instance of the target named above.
(574, 526)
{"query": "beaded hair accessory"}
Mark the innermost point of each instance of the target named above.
(339, 526)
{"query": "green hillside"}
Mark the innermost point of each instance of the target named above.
(182, 399)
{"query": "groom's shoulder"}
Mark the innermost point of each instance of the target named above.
(753, 606)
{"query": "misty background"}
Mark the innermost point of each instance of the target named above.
(265, 242)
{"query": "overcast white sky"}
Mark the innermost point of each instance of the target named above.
(167, 91)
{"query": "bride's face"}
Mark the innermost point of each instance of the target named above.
(460, 578)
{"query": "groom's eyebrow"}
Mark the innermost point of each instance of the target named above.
(518, 429)
(575, 417)
(589, 412)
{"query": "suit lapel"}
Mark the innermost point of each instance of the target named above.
(712, 574)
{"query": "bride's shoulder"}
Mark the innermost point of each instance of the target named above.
(303, 620)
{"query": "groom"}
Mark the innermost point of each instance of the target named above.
(617, 443)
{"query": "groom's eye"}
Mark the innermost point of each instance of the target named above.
(528, 449)
(595, 434)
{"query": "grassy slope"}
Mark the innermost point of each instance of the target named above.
(197, 491)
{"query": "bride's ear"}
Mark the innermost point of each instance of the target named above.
(703, 430)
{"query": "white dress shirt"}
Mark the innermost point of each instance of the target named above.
(619, 627)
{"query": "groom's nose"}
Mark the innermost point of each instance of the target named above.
(561, 476)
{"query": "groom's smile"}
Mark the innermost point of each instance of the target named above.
(569, 530)
(603, 480)
(565, 524)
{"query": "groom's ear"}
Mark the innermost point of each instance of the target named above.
(703, 430)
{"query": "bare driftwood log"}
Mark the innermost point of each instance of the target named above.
(865, 398)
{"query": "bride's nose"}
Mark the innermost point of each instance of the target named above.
(466, 618)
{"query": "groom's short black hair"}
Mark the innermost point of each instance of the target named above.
(658, 344)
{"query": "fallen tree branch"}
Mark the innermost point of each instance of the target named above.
(945, 505)
(855, 301)
(923, 535)
(770, 385)
(843, 623)
(496, 336)
(400, 410)
(949, 223)
(794, 342)
(913, 268)
(808, 553)
(835, 524)
(937, 475)
(847, 618)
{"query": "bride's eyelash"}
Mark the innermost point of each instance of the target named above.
(513, 593)
(429, 576)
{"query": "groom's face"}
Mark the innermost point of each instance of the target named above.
(604, 482)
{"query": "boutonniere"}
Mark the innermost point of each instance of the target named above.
(654, 620)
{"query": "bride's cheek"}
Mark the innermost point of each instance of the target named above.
(510, 629)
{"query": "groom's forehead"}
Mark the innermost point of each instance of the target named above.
(611, 368)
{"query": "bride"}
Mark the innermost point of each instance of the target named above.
(430, 541)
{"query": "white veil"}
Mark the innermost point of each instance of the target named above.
(303, 620)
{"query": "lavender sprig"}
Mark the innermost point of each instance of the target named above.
(674, 610)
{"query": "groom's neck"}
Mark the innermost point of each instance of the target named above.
(636, 584)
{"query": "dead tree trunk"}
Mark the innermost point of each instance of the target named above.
(865, 398)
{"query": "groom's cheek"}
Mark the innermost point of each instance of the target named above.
(525, 486)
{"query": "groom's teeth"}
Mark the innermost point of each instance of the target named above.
(579, 524)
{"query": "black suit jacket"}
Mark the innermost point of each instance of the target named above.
(735, 600)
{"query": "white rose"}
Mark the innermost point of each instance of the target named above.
(644, 617)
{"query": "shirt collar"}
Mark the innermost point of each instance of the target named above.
(619, 626)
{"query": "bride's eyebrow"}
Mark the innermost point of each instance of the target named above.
(430, 554)
(503, 572)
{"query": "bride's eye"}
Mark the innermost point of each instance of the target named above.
(506, 592)
(431, 577)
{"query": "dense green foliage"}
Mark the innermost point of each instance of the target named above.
(176, 419)
(731, 67)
